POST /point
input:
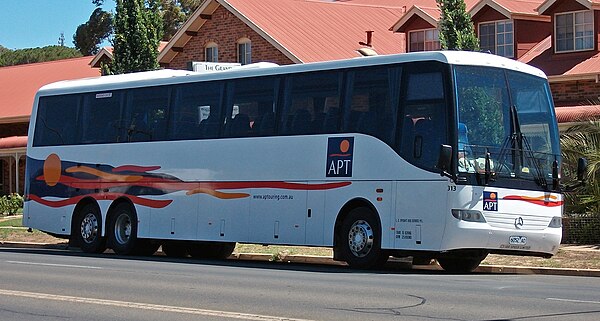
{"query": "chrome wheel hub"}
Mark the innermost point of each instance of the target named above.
(122, 229)
(360, 238)
(89, 228)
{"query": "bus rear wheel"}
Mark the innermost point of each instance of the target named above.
(122, 236)
(211, 250)
(360, 240)
(88, 227)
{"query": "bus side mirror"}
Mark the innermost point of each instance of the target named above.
(445, 161)
(582, 165)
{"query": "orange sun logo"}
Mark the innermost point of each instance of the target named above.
(344, 146)
(52, 170)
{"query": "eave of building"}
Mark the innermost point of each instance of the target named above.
(589, 4)
(14, 120)
(414, 11)
(104, 52)
(507, 12)
(565, 78)
(195, 23)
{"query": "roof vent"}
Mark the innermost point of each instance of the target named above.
(369, 39)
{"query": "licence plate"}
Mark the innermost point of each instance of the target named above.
(519, 240)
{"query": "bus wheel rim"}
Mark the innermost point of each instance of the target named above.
(123, 228)
(89, 227)
(360, 238)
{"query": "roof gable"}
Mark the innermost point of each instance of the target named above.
(304, 30)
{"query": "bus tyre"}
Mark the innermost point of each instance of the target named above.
(360, 240)
(211, 250)
(88, 227)
(460, 264)
(174, 249)
(122, 231)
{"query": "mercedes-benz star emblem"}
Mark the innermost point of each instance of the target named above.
(519, 222)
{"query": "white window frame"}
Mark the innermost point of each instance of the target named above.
(244, 47)
(435, 42)
(211, 49)
(574, 31)
(511, 54)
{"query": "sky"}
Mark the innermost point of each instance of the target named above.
(38, 23)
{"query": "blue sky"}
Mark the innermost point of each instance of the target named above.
(38, 23)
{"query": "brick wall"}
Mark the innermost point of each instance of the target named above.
(225, 30)
(580, 91)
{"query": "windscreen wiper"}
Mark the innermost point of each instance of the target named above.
(519, 146)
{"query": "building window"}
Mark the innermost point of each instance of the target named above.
(424, 40)
(244, 51)
(211, 52)
(574, 31)
(497, 38)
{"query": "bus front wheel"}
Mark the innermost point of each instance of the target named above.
(88, 227)
(458, 264)
(360, 239)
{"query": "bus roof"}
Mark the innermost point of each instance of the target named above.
(170, 76)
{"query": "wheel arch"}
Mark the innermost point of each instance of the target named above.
(77, 212)
(343, 213)
(117, 202)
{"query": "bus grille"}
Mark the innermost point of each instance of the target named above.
(510, 221)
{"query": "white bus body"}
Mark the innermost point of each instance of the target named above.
(367, 195)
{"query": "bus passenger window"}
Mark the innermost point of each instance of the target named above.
(196, 111)
(373, 101)
(311, 104)
(424, 127)
(251, 107)
(56, 122)
(147, 111)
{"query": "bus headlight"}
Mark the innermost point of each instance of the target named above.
(468, 215)
(556, 222)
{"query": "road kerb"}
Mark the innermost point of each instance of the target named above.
(324, 260)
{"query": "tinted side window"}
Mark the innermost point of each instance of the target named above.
(102, 120)
(251, 107)
(56, 122)
(147, 111)
(311, 104)
(196, 112)
(424, 124)
(373, 95)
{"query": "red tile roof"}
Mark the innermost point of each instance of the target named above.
(577, 113)
(13, 142)
(18, 84)
(309, 30)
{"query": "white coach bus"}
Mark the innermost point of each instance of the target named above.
(445, 155)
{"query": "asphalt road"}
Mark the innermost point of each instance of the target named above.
(63, 285)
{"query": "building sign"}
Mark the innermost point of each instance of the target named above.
(212, 66)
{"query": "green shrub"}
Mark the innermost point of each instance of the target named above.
(11, 204)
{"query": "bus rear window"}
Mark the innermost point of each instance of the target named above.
(56, 121)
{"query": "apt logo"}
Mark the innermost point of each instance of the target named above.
(339, 156)
(490, 201)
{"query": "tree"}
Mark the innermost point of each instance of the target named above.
(583, 140)
(138, 30)
(32, 55)
(90, 35)
(456, 29)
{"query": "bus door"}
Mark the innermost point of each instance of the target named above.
(420, 214)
